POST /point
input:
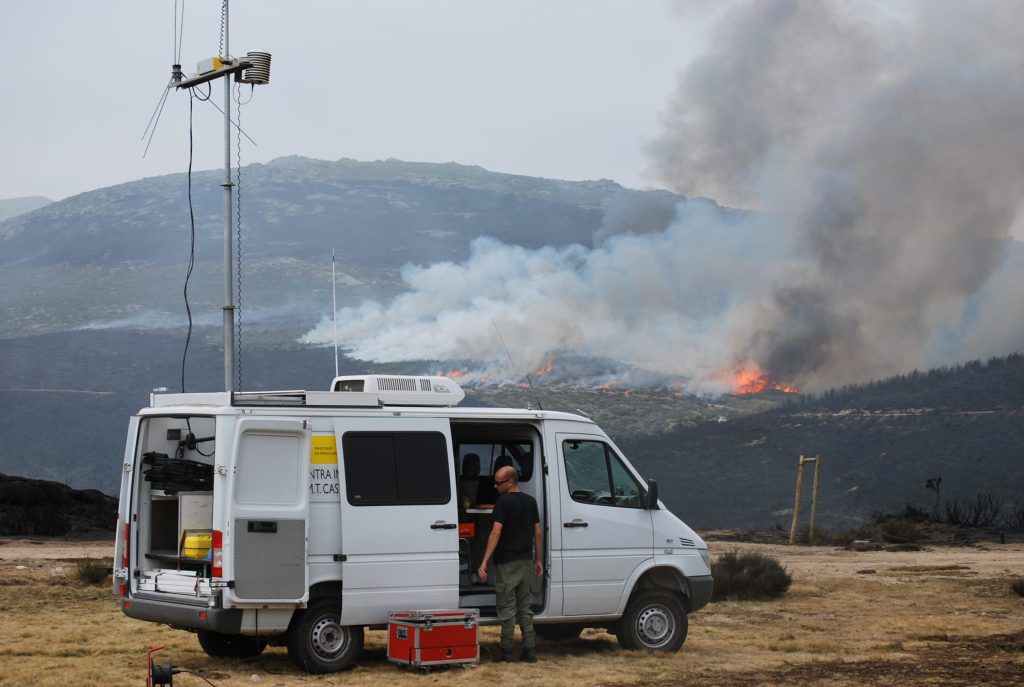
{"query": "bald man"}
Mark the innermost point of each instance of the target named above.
(517, 545)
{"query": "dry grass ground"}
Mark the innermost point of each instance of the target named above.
(942, 616)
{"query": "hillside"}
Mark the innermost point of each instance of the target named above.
(878, 443)
(117, 256)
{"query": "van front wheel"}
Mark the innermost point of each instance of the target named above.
(319, 643)
(654, 620)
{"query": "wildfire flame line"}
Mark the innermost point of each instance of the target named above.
(752, 380)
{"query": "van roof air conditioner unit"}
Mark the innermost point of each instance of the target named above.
(402, 390)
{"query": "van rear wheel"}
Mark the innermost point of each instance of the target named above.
(319, 643)
(654, 620)
(220, 645)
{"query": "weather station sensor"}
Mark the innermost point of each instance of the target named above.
(252, 68)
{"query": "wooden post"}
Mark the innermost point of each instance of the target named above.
(799, 491)
(796, 501)
(814, 495)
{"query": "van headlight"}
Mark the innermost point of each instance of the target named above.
(705, 556)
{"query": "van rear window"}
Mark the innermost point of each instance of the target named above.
(396, 468)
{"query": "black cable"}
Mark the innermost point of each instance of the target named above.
(223, 26)
(189, 672)
(209, 92)
(192, 250)
(188, 423)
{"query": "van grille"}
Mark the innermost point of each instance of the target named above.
(425, 385)
(396, 384)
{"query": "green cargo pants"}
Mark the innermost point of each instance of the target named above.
(513, 597)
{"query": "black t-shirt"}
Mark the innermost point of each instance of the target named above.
(517, 513)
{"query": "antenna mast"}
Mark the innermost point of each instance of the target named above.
(253, 68)
(228, 186)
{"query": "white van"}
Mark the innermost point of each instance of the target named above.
(303, 517)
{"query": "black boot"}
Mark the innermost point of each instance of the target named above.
(529, 655)
(506, 656)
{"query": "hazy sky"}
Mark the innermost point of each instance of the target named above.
(571, 89)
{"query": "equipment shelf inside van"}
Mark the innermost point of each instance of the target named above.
(303, 517)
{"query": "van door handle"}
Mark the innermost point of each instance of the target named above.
(262, 526)
(575, 523)
(442, 525)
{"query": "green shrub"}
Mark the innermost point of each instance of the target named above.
(1018, 586)
(899, 530)
(91, 571)
(749, 576)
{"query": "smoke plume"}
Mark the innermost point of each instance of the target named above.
(881, 156)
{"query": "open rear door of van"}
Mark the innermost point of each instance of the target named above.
(270, 511)
(399, 519)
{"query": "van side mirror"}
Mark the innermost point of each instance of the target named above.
(652, 495)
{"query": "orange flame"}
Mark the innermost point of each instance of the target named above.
(753, 381)
(545, 370)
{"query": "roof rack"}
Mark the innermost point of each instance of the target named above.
(365, 391)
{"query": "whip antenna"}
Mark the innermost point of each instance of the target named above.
(510, 362)
(334, 305)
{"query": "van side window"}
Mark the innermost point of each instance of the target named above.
(396, 468)
(594, 474)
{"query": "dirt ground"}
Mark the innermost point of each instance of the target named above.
(945, 615)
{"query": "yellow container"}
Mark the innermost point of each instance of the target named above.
(196, 544)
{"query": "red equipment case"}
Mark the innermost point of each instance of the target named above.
(433, 637)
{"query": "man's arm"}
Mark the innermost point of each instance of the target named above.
(492, 542)
(538, 550)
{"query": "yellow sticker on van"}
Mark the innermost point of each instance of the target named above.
(325, 451)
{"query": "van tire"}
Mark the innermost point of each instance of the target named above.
(319, 643)
(220, 645)
(558, 632)
(654, 621)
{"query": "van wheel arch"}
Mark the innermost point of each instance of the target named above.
(331, 590)
(666, 579)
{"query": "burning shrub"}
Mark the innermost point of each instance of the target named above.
(749, 576)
